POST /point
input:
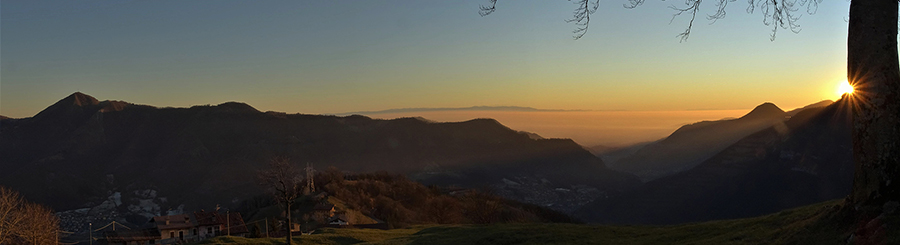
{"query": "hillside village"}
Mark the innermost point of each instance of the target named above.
(371, 201)
(201, 225)
(179, 226)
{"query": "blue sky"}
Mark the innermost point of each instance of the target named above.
(339, 56)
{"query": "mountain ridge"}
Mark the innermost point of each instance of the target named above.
(693, 143)
(806, 159)
(73, 155)
(471, 108)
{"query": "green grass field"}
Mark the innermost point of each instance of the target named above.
(815, 224)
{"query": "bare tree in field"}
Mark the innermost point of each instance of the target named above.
(22, 222)
(872, 68)
(40, 225)
(10, 219)
(284, 182)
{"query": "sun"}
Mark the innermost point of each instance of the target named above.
(845, 88)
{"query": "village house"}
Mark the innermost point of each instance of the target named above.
(181, 228)
(214, 223)
(296, 227)
(339, 220)
(323, 211)
(176, 228)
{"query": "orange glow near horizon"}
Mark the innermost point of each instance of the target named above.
(588, 128)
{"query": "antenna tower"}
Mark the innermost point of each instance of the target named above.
(310, 183)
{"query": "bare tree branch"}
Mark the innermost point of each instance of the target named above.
(693, 7)
(776, 13)
(780, 14)
(486, 10)
(582, 16)
(720, 11)
(633, 4)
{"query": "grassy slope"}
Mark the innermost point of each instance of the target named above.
(813, 224)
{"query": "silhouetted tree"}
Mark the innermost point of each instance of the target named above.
(872, 68)
(284, 182)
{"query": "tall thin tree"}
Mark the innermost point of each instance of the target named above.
(284, 182)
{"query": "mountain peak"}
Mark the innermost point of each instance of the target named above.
(236, 107)
(79, 99)
(73, 106)
(765, 110)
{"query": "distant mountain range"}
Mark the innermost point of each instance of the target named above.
(82, 152)
(804, 159)
(694, 143)
(140, 160)
(473, 108)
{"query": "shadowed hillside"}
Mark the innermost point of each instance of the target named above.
(692, 144)
(80, 151)
(805, 160)
(399, 202)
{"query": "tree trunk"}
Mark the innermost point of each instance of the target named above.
(287, 210)
(872, 68)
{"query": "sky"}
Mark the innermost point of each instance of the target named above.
(340, 56)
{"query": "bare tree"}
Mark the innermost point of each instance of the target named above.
(872, 68)
(22, 222)
(40, 225)
(10, 219)
(284, 182)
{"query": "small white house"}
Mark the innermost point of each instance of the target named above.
(339, 220)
